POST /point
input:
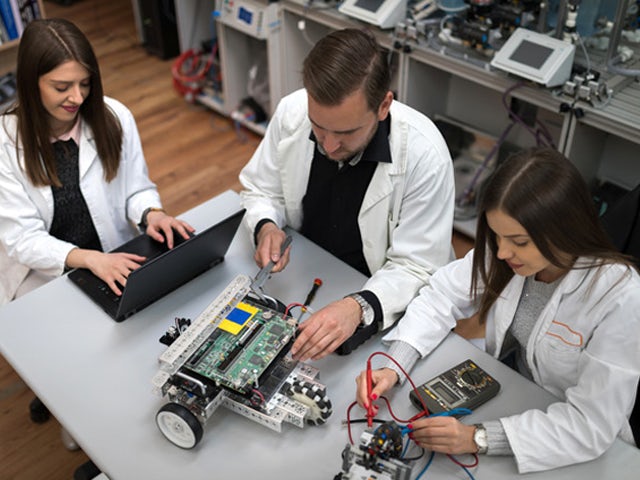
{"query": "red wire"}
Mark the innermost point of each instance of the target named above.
(349, 420)
(176, 68)
(291, 305)
(459, 463)
(259, 393)
(407, 376)
(398, 420)
(423, 413)
(370, 412)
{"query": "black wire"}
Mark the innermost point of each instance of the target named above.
(412, 459)
(363, 420)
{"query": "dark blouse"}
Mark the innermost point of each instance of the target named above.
(71, 219)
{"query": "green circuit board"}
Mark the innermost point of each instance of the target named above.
(243, 345)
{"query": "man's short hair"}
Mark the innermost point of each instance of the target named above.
(343, 62)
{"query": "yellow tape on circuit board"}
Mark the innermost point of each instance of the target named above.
(237, 318)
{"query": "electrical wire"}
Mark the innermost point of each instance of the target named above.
(466, 195)
(411, 459)
(627, 72)
(260, 395)
(445, 31)
(603, 103)
(514, 115)
(349, 421)
(584, 51)
(404, 372)
(423, 413)
(424, 469)
(465, 465)
(466, 470)
(305, 309)
(272, 300)
(189, 71)
(293, 305)
(541, 134)
(362, 420)
(453, 412)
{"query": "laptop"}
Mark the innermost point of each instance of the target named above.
(164, 270)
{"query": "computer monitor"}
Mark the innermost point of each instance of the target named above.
(535, 56)
(381, 13)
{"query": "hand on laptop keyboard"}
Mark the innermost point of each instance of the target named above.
(161, 227)
(112, 268)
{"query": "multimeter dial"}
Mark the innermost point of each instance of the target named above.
(471, 378)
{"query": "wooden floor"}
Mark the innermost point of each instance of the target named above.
(193, 154)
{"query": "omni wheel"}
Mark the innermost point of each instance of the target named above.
(179, 425)
(314, 397)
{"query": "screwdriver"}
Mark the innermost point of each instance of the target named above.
(316, 284)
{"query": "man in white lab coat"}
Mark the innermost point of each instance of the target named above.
(363, 176)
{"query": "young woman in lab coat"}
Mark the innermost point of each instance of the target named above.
(545, 283)
(73, 178)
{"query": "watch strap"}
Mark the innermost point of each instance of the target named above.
(143, 220)
(367, 316)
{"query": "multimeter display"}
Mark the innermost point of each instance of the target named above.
(463, 386)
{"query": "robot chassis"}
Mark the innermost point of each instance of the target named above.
(236, 355)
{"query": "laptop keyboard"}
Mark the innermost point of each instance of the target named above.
(110, 294)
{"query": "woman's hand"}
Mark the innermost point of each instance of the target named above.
(111, 268)
(382, 380)
(160, 226)
(444, 435)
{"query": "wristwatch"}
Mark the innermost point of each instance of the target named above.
(480, 437)
(367, 310)
(143, 221)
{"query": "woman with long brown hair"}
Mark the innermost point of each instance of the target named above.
(549, 288)
(73, 178)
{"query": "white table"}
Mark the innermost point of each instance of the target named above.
(95, 376)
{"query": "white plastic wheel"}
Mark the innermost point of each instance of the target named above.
(314, 397)
(179, 425)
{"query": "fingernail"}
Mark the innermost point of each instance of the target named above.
(374, 396)
(410, 426)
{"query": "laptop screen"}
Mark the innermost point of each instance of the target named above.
(169, 269)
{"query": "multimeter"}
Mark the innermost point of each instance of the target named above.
(464, 386)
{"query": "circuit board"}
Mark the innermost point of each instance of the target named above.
(241, 348)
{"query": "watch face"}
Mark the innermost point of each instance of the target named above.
(480, 438)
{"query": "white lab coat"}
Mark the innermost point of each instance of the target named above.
(27, 211)
(407, 213)
(584, 349)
